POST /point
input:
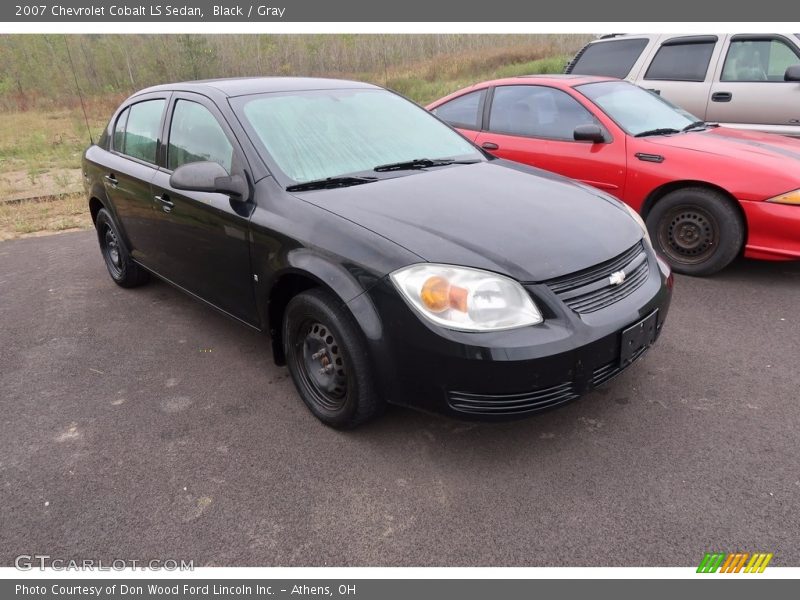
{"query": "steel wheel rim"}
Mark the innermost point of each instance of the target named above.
(321, 365)
(688, 234)
(112, 251)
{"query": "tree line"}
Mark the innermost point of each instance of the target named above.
(40, 71)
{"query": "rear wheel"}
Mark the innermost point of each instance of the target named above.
(328, 360)
(698, 230)
(122, 269)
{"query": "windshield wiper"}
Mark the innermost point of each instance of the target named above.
(661, 131)
(330, 182)
(422, 163)
(696, 125)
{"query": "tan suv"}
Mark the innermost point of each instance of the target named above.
(750, 81)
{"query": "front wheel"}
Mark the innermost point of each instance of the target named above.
(698, 230)
(328, 360)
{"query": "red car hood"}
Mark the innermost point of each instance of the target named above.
(767, 149)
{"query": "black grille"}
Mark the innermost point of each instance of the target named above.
(510, 404)
(591, 290)
(608, 372)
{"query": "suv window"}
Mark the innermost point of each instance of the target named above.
(758, 60)
(612, 59)
(463, 111)
(119, 130)
(196, 135)
(681, 62)
(141, 131)
(537, 111)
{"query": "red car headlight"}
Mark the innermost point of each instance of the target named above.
(792, 197)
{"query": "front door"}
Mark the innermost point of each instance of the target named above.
(534, 125)
(204, 237)
(749, 89)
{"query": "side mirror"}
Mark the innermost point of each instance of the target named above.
(210, 177)
(792, 73)
(589, 133)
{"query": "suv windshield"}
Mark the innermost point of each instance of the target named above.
(635, 110)
(320, 134)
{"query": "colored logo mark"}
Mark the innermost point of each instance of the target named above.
(734, 562)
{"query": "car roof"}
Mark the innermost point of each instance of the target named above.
(554, 80)
(241, 86)
(557, 80)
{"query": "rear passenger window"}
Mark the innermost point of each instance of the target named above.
(119, 130)
(463, 111)
(611, 59)
(681, 62)
(537, 111)
(758, 60)
(196, 135)
(141, 131)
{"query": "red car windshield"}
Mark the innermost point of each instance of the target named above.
(636, 110)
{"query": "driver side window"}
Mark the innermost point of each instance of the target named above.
(537, 111)
(196, 135)
(758, 60)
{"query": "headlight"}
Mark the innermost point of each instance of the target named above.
(792, 197)
(638, 218)
(466, 299)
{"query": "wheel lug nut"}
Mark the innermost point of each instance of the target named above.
(318, 354)
(326, 370)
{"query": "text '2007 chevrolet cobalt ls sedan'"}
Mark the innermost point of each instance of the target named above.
(390, 260)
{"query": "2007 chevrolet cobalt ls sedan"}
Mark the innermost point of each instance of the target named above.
(389, 259)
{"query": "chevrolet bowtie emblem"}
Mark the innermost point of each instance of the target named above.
(616, 277)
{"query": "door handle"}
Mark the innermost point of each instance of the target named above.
(490, 146)
(166, 203)
(111, 179)
(721, 97)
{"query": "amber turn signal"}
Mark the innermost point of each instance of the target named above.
(437, 295)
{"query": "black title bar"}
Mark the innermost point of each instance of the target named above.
(616, 11)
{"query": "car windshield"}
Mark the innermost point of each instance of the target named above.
(314, 135)
(636, 110)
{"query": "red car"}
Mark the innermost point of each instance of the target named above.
(707, 193)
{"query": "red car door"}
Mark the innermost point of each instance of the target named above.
(534, 125)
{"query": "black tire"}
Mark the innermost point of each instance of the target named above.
(328, 360)
(122, 269)
(698, 230)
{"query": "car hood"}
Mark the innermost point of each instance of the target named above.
(501, 216)
(767, 149)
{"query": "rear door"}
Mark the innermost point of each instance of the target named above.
(204, 237)
(681, 70)
(130, 169)
(534, 124)
(749, 90)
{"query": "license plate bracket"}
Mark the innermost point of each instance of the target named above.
(637, 338)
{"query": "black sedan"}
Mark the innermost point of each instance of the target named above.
(389, 259)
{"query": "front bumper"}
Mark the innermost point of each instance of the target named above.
(508, 373)
(773, 231)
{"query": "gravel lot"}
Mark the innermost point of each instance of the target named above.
(140, 424)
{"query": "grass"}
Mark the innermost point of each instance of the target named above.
(51, 214)
(40, 149)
